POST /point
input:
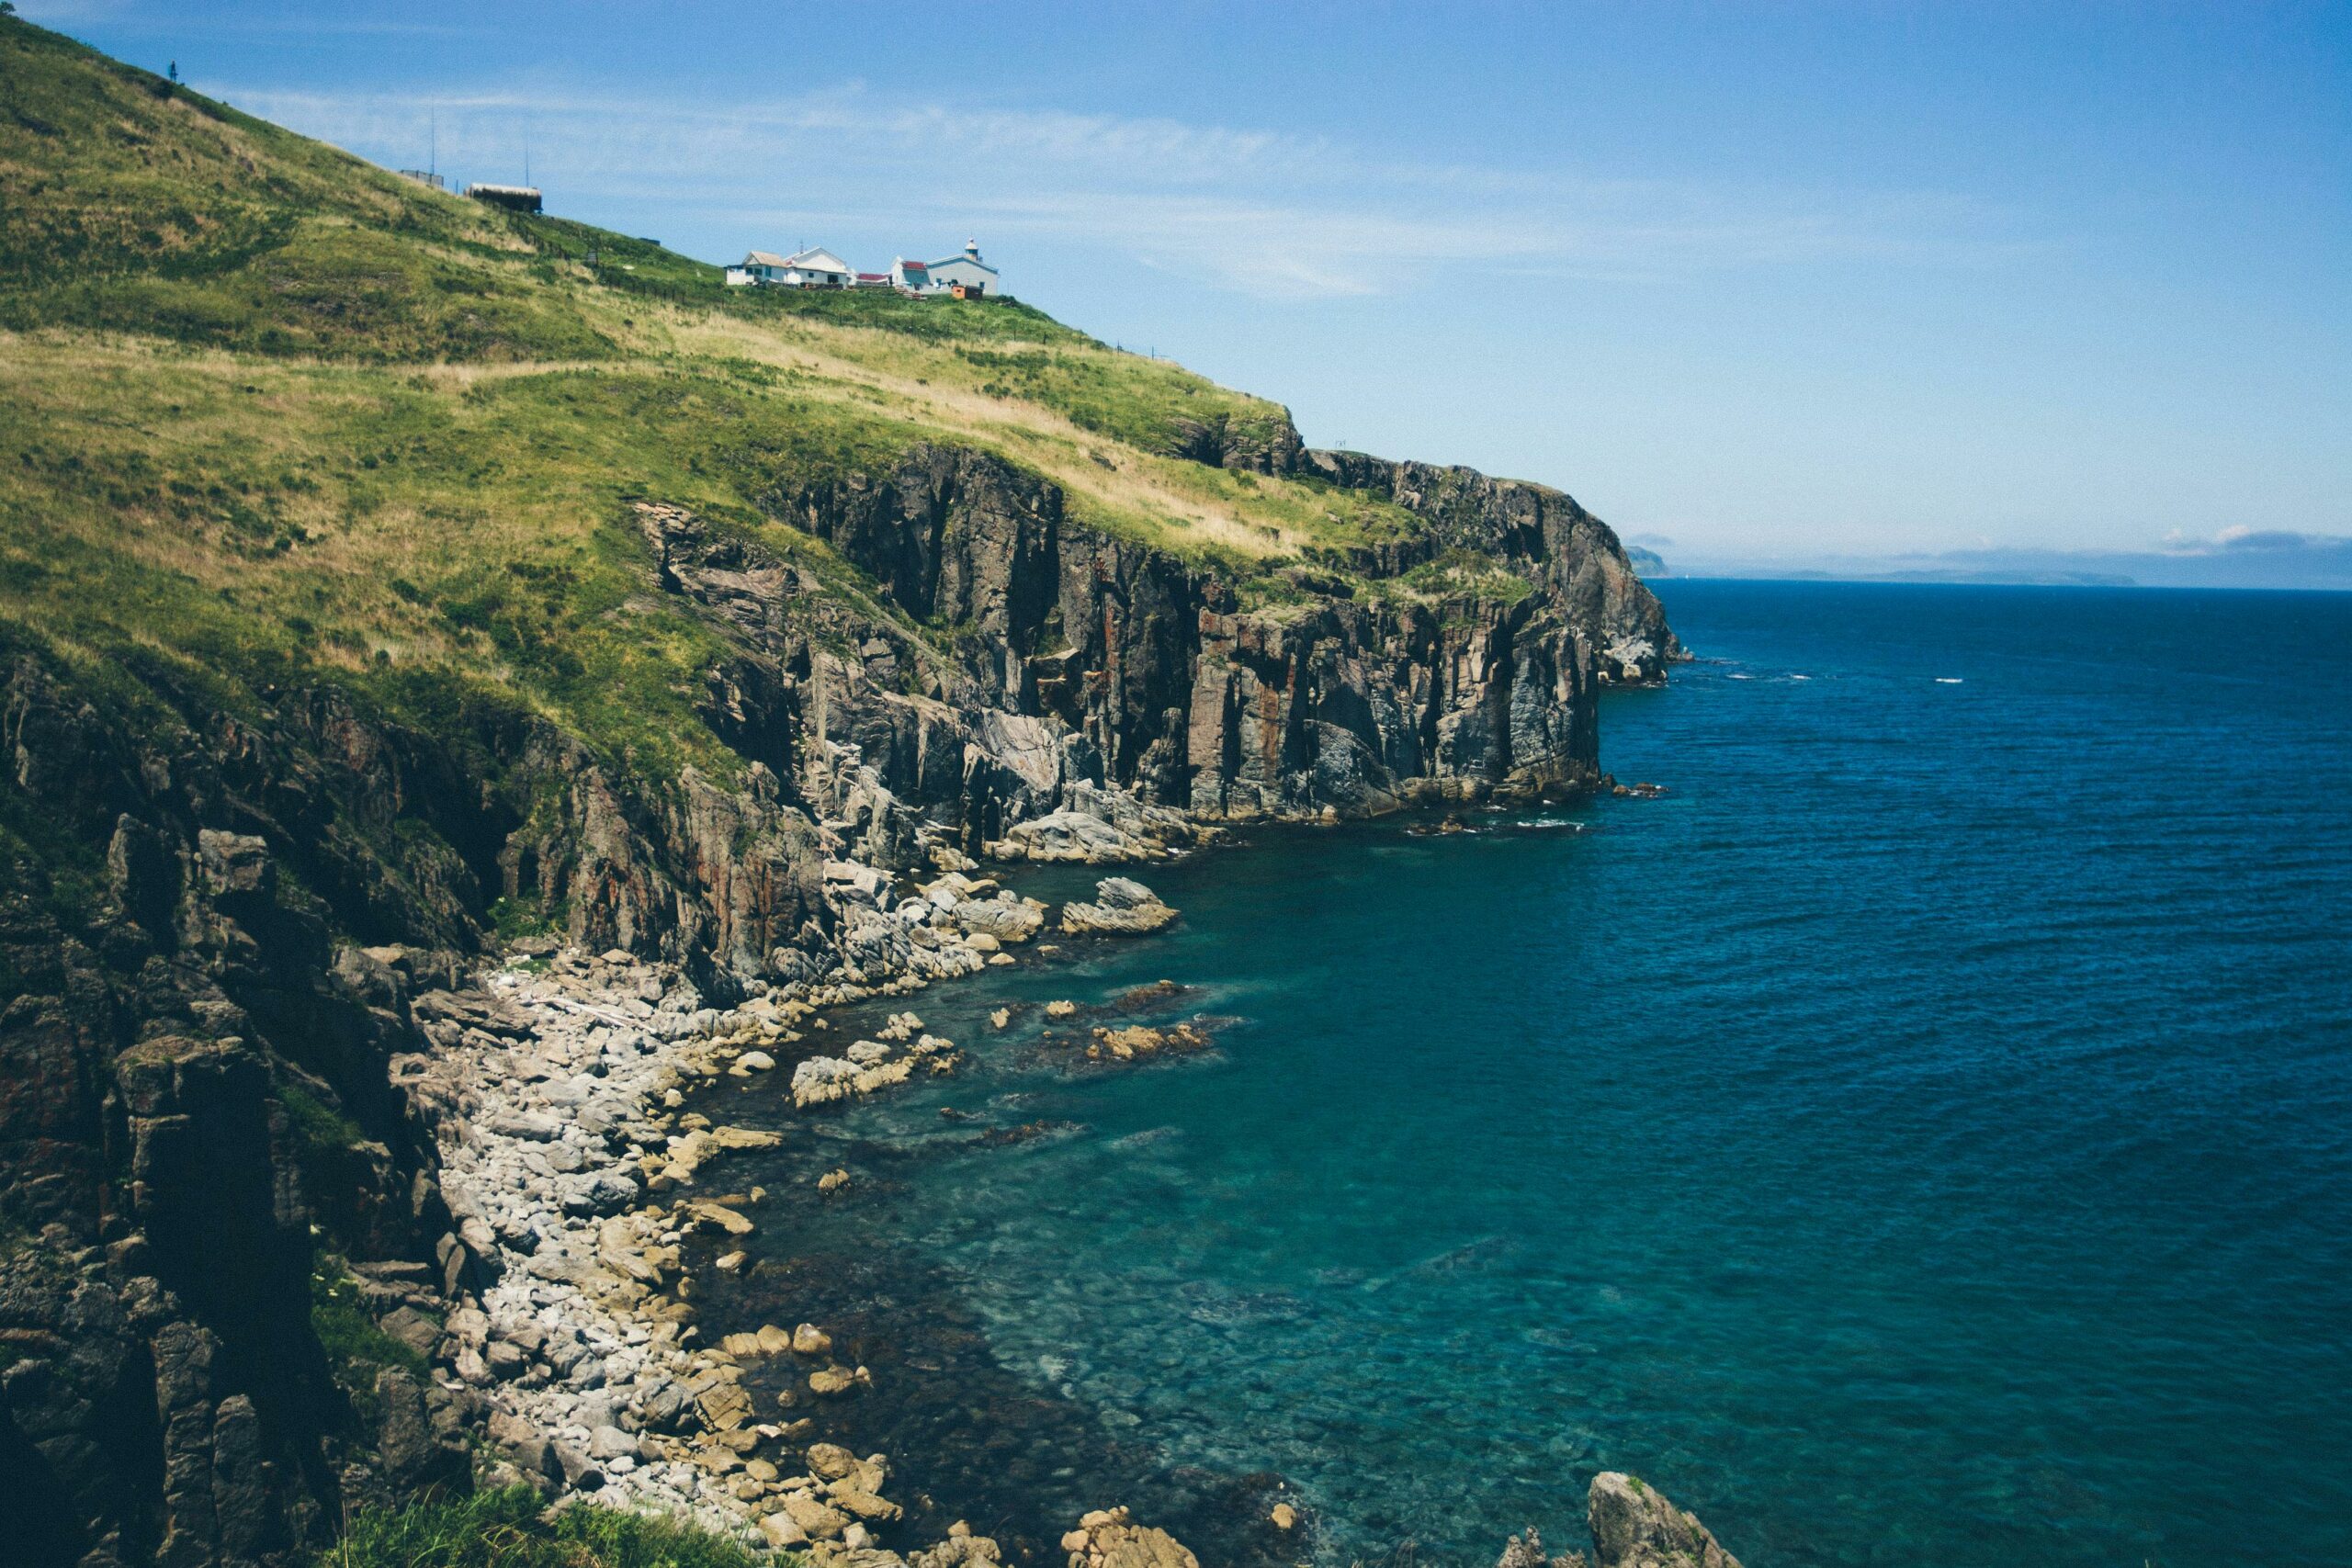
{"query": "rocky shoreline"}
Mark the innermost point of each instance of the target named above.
(552, 1091)
(257, 1081)
(555, 1089)
(574, 1188)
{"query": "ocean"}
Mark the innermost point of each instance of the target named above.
(1921, 1135)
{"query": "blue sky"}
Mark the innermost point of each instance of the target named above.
(1766, 282)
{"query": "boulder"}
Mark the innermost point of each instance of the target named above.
(1072, 837)
(1137, 1041)
(1003, 917)
(1635, 1526)
(866, 1505)
(1110, 1538)
(962, 1549)
(1527, 1552)
(815, 1519)
(1121, 908)
(823, 1079)
(831, 1461)
(706, 1214)
(412, 1329)
(781, 1531)
(741, 1138)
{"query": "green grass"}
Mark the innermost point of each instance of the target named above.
(513, 919)
(330, 287)
(279, 419)
(319, 1128)
(511, 1529)
(327, 1149)
(931, 320)
(1461, 575)
(355, 1349)
(1145, 403)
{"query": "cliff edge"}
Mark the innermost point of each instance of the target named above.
(386, 579)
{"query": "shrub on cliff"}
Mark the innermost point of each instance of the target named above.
(512, 1529)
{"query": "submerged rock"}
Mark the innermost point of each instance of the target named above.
(1139, 1040)
(832, 1381)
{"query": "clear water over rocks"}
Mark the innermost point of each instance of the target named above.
(1920, 1137)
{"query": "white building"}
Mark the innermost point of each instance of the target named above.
(803, 269)
(823, 270)
(967, 269)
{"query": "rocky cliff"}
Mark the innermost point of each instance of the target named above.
(268, 891)
(327, 671)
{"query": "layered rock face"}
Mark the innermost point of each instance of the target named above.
(1578, 556)
(265, 890)
(1087, 665)
(162, 1395)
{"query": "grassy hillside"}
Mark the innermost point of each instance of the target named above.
(509, 1528)
(274, 411)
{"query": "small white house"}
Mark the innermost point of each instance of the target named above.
(802, 269)
(967, 269)
(914, 276)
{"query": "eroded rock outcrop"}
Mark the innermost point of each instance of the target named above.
(1122, 906)
(1102, 696)
(1633, 1526)
(1576, 556)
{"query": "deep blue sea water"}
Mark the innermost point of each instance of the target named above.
(1922, 1137)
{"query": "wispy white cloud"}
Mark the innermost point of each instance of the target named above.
(1263, 213)
(181, 22)
(2239, 539)
(69, 13)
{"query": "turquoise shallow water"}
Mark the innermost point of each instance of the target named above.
(1919, 1138)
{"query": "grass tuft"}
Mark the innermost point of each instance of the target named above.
(511, 1529)
(355, 1349)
